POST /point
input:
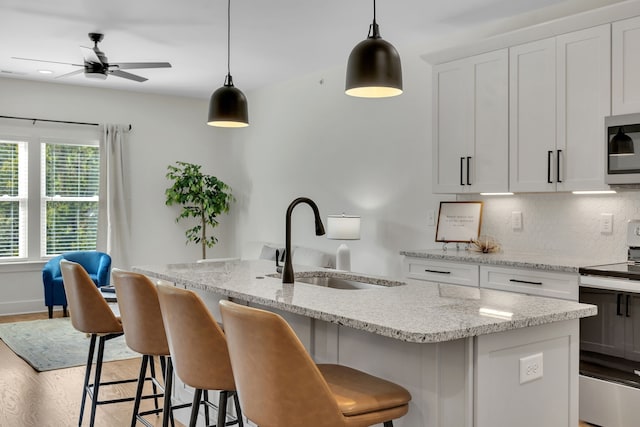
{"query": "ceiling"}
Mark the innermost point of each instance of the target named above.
(271, 41)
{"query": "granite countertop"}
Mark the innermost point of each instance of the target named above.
(569, 264)
(417, 311)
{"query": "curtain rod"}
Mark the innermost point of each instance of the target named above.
(53, 121)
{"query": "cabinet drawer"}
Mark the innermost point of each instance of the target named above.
(532, 282)
(442, 272)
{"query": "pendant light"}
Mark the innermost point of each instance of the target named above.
(373, 69)
(228, 105)
(621, 144)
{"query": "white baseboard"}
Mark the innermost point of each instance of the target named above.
(23, 307)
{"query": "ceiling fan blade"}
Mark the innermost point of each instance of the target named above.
(129, 76)
(90, 55)
(132, 65)
(50, 62)
(73, 73)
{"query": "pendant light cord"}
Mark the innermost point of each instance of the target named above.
(229, 36)
(228, 81)
(374, 30)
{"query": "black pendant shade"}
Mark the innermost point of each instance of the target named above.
(621, 144)
(374, 69)
(228, 106)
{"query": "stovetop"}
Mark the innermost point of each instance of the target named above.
(626, 270)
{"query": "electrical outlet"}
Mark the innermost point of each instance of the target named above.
(606, 223)
(431, 217)
(516, 220)
(531, 368)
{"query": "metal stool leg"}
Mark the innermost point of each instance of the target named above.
(388, 424)
(236, 401)
(153, 384)
(196, 405)
(206, 408)
(141, 376)
(96, 383)
(222, 409)
(167, 411)
(87, 375)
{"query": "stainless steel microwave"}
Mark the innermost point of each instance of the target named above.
(623, 149)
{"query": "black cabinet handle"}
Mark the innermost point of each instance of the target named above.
(549, 155)
(618, 311)
(626, 308)
(468, 160)
(437, 272)
(461, 170)
(558, 166)
(525, 282)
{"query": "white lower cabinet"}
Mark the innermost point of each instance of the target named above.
(454, 273)
(531, 282)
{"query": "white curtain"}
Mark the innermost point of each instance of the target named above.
(113, 223)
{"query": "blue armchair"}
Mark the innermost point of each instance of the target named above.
(97, 264)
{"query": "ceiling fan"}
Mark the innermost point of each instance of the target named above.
(97, 66)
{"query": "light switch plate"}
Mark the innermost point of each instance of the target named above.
(531, 368)
(516, 220)
(431, 217)
(606, 223)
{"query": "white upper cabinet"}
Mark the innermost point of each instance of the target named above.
(625, 80)
(532, 108)
(584, 100)
(470, 151)
(559, 96)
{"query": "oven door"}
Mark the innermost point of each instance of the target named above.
(610, 341)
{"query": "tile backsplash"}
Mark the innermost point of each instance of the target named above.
(560, 223)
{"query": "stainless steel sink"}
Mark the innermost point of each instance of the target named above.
(341, 282)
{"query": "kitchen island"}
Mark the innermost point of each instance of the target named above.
(469, 357)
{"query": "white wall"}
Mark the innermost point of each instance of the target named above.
(165, 129)
(370, 157)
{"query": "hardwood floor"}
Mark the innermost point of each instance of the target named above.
(52, 399)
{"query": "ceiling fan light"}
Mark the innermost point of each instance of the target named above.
(228, 107)
(374, 70)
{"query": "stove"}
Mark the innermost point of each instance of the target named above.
(625, 270)
(610, 341)
(629, 270)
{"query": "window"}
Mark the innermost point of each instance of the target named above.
(49, 183)
(69, 209)
(13, 200)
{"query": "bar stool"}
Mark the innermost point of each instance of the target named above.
(280, 385)
(198, 350)
(91, 315)
(144, 333)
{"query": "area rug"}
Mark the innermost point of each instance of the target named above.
(54, 344)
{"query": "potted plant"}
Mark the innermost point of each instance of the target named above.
(203, 197)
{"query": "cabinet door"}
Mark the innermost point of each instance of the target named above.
(604, 333)
(489, 163)
(451, 126)
(584, 72)
(625, 79)
(632, 327)
(532, 116)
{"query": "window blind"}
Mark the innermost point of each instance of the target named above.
(13, 199)
(69, 202)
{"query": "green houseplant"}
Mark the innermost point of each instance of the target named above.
(203, 197)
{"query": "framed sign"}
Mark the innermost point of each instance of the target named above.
(459, 221)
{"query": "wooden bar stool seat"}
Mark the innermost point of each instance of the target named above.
(279, 384)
